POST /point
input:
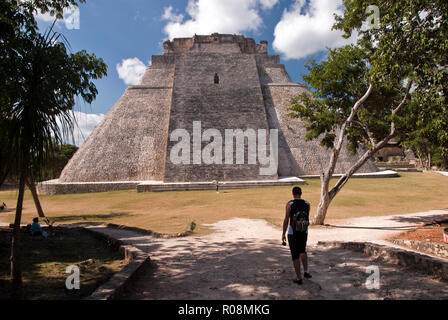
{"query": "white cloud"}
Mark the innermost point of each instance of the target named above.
(131, 71)
(268, 4)
(46, 17)
(83, 126)
(71, 17)
(169, 15)
(305, 29)
(209, 16)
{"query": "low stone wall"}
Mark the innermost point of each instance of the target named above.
(10, 187)
(225, 185)
(402, 257)
(54, 187)
(437, 249)
(149, 232)
(373, 175)
(402, 169)
(120, 281)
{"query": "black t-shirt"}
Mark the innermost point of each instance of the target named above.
(301, 207)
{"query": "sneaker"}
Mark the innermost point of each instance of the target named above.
(298, 281)
(307, 275)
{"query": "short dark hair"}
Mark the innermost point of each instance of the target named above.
(36, 220)
(297, 191)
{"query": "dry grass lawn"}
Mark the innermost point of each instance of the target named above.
(171, 212)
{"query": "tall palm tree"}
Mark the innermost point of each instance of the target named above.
(38, 112)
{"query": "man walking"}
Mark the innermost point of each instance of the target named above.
(296, 223)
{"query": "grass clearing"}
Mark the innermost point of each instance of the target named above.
(44, 262)
(171, 212)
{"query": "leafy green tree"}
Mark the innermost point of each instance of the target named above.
(428, 132)
(39, 81)
(362, 94)
(56, 162)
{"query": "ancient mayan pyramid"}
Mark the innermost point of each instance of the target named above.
(254, 91)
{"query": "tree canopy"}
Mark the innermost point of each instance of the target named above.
(391, 84)
(410, 43)
(40, 80)
(56, 163)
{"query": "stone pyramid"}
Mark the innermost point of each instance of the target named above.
(222, 81)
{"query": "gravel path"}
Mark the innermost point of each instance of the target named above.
(243, 260)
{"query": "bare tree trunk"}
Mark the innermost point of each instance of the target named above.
(420, 159)
(328, 196)
(16, 267)
(324, 202)
(32, 186)
(325, 198)
(425, 157)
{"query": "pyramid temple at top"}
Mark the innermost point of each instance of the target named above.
(222, 81)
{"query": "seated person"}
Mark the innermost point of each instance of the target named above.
(36, 229)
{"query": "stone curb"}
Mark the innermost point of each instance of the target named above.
(438, 249)
(149, 232)
(402, 257)
(121, 280)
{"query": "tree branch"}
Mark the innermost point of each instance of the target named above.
(376, 147)
(398, 108)
(369, 133)
(335, 155)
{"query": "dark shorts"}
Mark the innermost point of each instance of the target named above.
(297, 244)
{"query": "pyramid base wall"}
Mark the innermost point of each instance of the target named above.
(54, 187)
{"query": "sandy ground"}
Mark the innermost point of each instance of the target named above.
(244, 259)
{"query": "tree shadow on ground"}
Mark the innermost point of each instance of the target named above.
(87, 217)
(262, 269)
(373, 228)
(422, 219)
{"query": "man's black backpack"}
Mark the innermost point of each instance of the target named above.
(299, 219)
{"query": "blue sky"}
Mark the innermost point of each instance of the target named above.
(129, 32)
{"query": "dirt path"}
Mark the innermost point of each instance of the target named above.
(243, 260)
